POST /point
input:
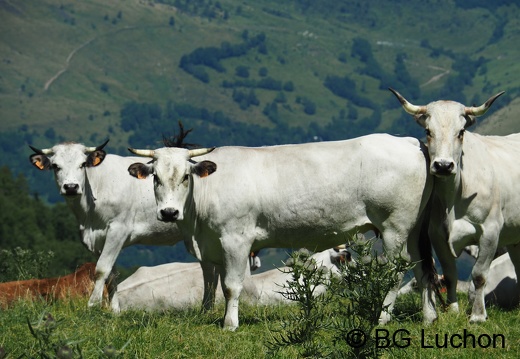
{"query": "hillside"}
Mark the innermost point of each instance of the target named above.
(248, 72)
(243, 72)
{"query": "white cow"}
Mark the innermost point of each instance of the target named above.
(310, 195)
(270, 284)
(113, 209)
(476, 198)
(412, 286)
(180, 285)
(170, 286)
(501, 285)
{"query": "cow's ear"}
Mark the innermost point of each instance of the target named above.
(95, 158)
(40, 161)
(204, 168)
(139, 170)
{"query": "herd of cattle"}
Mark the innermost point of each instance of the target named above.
(454, 191)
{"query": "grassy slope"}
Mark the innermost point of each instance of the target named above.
(137, 57)
(188, 334)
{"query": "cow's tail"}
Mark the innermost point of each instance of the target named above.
(426, 255)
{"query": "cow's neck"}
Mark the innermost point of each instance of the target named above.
(449, 195)
(448, 190)
(190, 226)
(81, 205)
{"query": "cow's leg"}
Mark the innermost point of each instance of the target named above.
(419, 248)
(114, 242)
(395, 244)
(235, 263)
(210, 273)
(487, 249)
(448, 264)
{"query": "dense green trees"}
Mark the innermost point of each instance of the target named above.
(211, 57)
(28, 223)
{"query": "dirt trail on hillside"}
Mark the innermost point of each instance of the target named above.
(73, 52)
(71, 55)
(436, 77)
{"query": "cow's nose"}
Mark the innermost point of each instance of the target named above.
(71, 188)
(443, 167)
(169, 215)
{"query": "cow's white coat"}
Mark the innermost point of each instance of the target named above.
(312, 195)
(476, 197)
(114, 210)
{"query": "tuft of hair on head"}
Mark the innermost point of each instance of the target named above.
(177, 140)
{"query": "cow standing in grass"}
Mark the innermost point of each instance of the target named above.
(314, 195)
(476, 199)
(113, 209)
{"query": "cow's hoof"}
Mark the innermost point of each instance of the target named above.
(453, 308)
(384, 318)
(477, 318)
(230, 328)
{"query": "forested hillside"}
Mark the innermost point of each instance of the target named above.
(247, 72)
(28, 223)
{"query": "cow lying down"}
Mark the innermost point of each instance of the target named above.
(411, 286)
(179, 285)
(77, 284)
(167, 286)
(501, 285)
(270, 284)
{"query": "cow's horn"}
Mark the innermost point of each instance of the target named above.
(482, 109)
(142, 153)
(408, 107)
(200, 151)
(93, 149)
(45, 151)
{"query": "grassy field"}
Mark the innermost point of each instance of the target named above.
(189, 334)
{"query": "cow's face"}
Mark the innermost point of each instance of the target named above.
(445, 123)
(68, 161)
(172, 170)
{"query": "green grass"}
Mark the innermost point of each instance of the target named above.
(190, 334)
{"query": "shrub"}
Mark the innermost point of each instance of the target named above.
(340, 322)
(21, 264)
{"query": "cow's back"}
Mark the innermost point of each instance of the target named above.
(169, 286)
(305, 191)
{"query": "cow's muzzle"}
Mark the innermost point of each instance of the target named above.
(443, 168)
(70, 189)
(168, 215)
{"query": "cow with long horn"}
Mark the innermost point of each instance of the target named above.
(113, 209)
(234, 200)
(475, 200)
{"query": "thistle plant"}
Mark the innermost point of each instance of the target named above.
(337, 322)
(48, 346)
(303, 289)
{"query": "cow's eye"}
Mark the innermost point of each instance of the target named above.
(55, 167)
(428, 133)
(461, 134)
(186, 177)
(83, 165)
